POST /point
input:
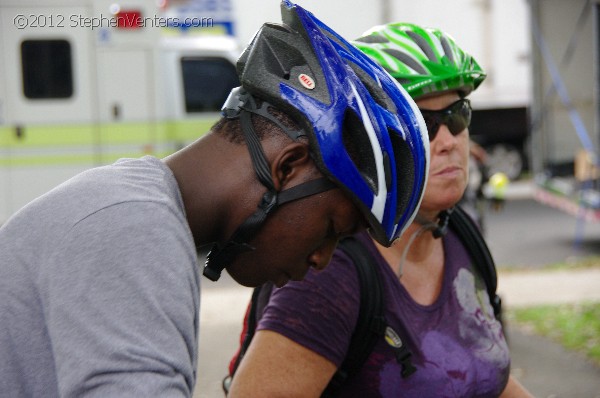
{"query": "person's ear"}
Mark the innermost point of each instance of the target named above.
(292, 162)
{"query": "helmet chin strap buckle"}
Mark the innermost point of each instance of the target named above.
(439, 228)
(220, 257)
(442, 226)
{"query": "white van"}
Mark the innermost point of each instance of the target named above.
(83, 83)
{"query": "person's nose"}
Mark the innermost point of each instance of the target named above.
(444, 139)
(322, 256)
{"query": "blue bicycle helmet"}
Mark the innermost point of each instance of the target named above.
(366, 134)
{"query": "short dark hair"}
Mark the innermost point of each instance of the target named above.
(232, 128)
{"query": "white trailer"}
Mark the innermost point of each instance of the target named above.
(83, 83)
(565, 107)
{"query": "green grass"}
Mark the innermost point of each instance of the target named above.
(577, 262)
(575, 326)
(569, 263)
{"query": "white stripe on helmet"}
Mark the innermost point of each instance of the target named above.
(378, 206)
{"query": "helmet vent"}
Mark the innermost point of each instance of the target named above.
(447, 49)
(404, 82)
(357, 144)
(371, 39)
(374, 90)
(406, 60)
(423, 45)
(405, 171)
(280, 57)
(335, 39)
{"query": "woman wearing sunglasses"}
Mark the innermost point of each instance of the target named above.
(435, 299)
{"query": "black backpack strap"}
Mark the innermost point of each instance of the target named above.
(471, 237)
(371, 324)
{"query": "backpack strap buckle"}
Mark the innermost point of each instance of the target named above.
(403, 355)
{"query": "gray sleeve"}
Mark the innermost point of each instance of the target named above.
(121, 300)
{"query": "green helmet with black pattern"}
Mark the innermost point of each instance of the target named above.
(423, 60)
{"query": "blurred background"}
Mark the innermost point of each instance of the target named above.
(85, 82)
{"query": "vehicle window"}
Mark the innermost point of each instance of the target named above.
(47, 69)
(207, 83)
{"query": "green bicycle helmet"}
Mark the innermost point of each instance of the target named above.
(423, 60)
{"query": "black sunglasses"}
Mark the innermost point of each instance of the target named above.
(456, 117)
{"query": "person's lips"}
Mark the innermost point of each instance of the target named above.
(449, 171)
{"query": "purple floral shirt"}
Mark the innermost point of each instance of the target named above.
(457, 345)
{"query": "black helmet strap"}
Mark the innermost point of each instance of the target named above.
(221, 255)
(439, 228)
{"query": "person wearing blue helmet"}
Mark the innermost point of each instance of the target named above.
(364, 133)
(99, 281)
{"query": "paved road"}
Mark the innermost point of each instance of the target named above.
(523, 234)
(528, 235)
(221, 320)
